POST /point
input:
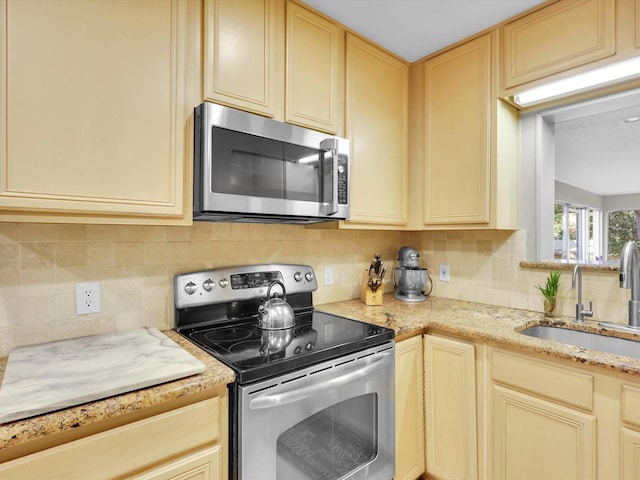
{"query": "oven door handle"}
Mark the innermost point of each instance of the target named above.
(297, 394)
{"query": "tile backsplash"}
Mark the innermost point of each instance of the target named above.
(41, 263)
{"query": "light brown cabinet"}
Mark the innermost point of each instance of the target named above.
(186, 443)
(450, 406)
(557, 38)
(468, 148)
(275, 58)
(541, 411)
(95, 101)
(630, 431)
(314, 71)
(377, 127)
(244, 55)
(409, 409)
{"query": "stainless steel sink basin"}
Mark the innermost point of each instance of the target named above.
(590, 340)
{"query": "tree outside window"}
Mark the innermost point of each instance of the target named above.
(623, 227)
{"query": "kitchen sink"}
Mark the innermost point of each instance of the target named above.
(590, 340)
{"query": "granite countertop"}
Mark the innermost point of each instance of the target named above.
(215, 376)
(475, 322)
(489, 324)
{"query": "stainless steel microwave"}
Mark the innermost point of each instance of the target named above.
(249, 168)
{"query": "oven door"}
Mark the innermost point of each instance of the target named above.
(328, 422)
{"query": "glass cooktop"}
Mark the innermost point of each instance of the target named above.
(256, 354)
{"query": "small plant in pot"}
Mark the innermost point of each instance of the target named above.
(550, 292)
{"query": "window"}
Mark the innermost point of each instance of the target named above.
(577, 233)
(622, 227)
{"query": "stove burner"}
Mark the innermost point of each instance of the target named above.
(243, 347)
(229, 334)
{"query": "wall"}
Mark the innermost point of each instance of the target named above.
(41, 263)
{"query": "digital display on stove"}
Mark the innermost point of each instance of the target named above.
(254, 279)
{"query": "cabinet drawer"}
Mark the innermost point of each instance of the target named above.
(550, 381)
(123, 449)
(631, 404)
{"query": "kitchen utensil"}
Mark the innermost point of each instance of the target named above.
(275, 313)
(409, 279)
(274, 341)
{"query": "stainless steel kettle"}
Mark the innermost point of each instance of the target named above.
(275, 313)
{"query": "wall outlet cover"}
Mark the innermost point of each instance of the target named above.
(87, 298)
(444, 273)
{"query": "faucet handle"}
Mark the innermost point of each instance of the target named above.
(588, 313)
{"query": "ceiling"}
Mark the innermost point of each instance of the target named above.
(594, 150)
(413, 29)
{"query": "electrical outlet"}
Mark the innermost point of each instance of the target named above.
(87, 298)
(328, 275)
(444, 273)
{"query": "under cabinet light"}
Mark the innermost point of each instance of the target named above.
(578, 83)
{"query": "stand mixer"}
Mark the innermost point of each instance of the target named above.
(409, 279)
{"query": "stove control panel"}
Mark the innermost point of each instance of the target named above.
(240, 283)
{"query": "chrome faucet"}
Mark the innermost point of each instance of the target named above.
(580, 311)
(630, 278)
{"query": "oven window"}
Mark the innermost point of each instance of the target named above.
(330, 444)
(244, 164)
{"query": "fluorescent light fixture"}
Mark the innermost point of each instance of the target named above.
(579, 83)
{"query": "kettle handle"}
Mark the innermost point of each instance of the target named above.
(276, 282)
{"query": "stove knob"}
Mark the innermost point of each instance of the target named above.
(190, 288)
(308, 276)
(297, 276)
(309, 346)
(223, 283)
(208, 285)
(297, 350)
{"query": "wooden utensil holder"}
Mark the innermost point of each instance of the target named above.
(368, 296)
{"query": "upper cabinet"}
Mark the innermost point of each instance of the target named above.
(277, 59)
(314, 71)
(467, 141)
(565, 38)
(244, 55)
(377, 127)
(561, 36)
(96, 100)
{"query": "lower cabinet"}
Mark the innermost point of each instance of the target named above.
(542, 422)
(535, 439)
(630, 432)
(185, 443)
(409, 410)
(205, 464)
(495, 414)
(450, 401)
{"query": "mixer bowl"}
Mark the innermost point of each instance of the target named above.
(410, 283)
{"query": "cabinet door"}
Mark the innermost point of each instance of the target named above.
(377, 117)
(409, 409)
(457, 140)
(205, 464)
(96, 99)
(244, 54)
(559, 37)
(450, 405)
(630, 454)
(535, 439)
(315, 71)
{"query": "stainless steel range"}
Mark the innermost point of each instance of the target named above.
(314, 392)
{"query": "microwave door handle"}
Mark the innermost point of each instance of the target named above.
(331, 145)
(297, 394)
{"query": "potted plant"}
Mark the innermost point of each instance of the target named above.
(550, 292)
